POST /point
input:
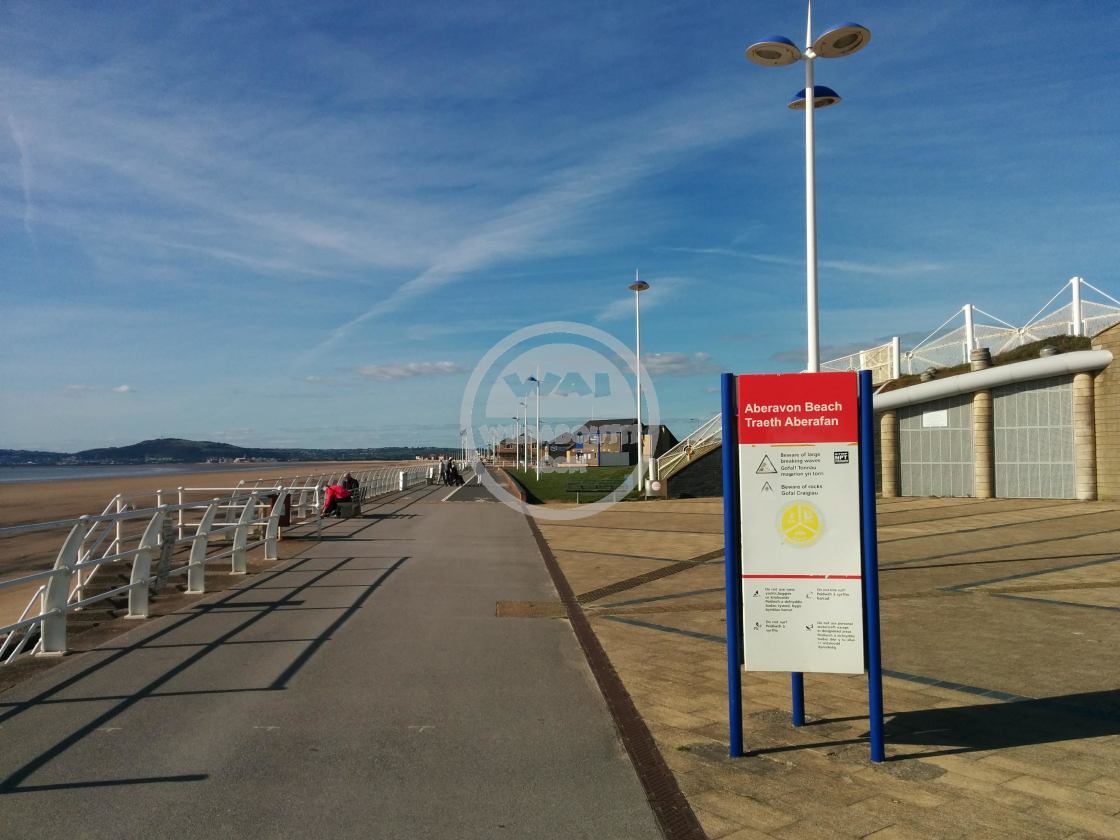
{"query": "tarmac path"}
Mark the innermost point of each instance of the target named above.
(363, 687)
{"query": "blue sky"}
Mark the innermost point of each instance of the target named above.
(304, 223)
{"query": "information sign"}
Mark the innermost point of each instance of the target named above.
(799, 497)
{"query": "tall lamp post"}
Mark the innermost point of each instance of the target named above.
(525, 405)
(516, 441)
(637, 287)
(778, 51)
(537, 454)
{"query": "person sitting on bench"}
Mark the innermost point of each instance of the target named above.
(349, 482)
(334, 494)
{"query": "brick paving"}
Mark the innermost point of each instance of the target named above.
(1001, 666)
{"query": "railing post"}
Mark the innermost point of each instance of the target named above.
(52, 629)
(117, 526)
(196, 567)
(238, 563)
(272, 531)
(142, 567)
(969, 331)
(301, 500)
(180, 528)
(1075, 307)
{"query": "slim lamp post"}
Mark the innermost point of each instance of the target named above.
(537, 458)
(778, 51)
(637, 287)
(516, 442)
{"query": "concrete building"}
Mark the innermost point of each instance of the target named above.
(1041, 428)
(609, 443)
(1044, 427)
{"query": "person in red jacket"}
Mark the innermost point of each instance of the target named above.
(334, 494)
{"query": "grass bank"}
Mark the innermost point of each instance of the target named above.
(553, 486)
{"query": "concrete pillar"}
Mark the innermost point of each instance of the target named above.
(983, 446)
(890, 456)
(1084, 438)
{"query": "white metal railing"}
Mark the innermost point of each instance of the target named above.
(953, 347)
(883, 361)
(951, 343)
(700, 442)
(181, 531)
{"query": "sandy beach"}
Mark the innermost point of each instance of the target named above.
(27, 501)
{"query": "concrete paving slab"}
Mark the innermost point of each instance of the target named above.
(362, 688)
(1003, 706)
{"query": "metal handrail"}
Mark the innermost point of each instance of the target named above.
(245, 510)
(700, 442)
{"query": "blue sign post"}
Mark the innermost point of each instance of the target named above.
(732, 566)
(870, 539)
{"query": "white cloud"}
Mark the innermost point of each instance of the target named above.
(124, 389)
(879, 269)
(618, 155)
(407, 370)
(679, 364)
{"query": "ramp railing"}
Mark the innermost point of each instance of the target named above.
(706, 438)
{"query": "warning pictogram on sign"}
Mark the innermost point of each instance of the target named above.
(767, 466)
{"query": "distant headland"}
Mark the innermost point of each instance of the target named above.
(179, 451)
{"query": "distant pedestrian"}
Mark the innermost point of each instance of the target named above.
(444, 466)
(334, 494)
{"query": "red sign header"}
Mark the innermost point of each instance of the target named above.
(798, 407)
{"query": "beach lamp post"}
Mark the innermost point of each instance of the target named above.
(537, 456)
(778, 51)
(637, 287)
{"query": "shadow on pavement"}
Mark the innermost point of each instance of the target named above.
(1019, 723)
(16, 781)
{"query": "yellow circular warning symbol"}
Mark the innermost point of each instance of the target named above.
(800, 524)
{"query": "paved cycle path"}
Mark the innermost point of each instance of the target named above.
(361, 688)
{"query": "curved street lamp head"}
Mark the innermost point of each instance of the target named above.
(775, 51)
(639, 286)
(822, 98)
(841, 40)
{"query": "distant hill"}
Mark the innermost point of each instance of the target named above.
(179, 451)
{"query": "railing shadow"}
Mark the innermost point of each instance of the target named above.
(258, 610)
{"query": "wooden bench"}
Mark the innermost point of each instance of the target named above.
(601, 488)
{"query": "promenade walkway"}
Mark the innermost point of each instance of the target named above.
(363, 687)
(412, 675)
(1002, 690)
